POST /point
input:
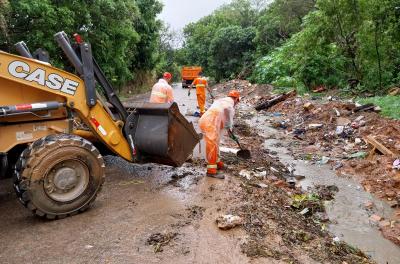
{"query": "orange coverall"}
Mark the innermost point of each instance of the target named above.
(219, 116)
(162, 93)
(201, 84)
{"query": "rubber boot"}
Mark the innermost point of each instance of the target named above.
(212, 172)
(221, 166)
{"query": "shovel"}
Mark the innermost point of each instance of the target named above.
(242, 153)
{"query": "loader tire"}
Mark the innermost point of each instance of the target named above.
(59, 176)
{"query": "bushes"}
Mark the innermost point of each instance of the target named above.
(340, 41)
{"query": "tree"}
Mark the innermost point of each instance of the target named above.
(231, 51)
(280, 21)
(123, 33)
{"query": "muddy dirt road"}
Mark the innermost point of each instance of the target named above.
(157, 214)
(135, 203)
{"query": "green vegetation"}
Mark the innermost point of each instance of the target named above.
(390, 104)
(125, 34)
(340, 44)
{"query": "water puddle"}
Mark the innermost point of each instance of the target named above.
(347, 213)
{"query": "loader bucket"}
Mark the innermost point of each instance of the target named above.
(161, 134)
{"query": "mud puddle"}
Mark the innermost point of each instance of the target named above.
(350, 220)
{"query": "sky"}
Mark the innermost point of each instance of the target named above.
(179, 13)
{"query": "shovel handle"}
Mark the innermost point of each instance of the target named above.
(235, 138)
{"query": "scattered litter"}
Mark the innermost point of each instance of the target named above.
(228, 150)
(262, 185)
(339, 130)
(227, 222)
(261, 174)
(315, 126)
(89, 246)
(358, 155)
(273, 169)
(324, 160)
(396, 164)
(276, 114)
(336, 239)
(305, 211)
(246, 174)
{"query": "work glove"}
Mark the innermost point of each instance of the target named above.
(232, 136)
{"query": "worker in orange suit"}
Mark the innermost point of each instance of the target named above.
(201, 85)
(218, 116)
(162, 92)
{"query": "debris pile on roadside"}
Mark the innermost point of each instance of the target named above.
(355, 140)
(282, 222)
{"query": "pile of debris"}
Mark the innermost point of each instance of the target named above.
(282, 222)
(354, 139)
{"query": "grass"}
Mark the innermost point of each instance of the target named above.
(390, 104)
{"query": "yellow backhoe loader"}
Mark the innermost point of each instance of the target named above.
(53, 124)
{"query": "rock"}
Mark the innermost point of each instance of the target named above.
(308, 106)
(227, 222)
(375, 218)
(342, 121)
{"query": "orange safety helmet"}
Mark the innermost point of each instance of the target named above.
(167, 75)
(234, 94)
